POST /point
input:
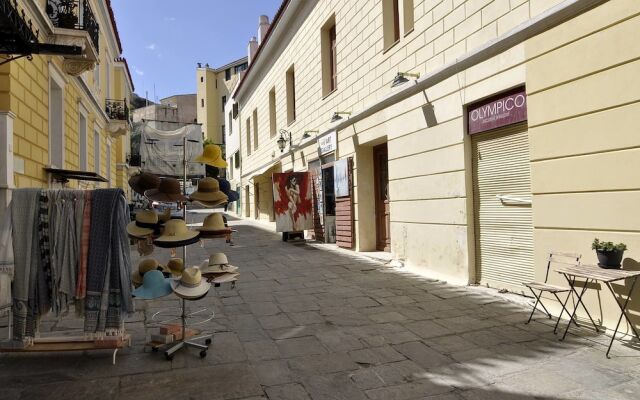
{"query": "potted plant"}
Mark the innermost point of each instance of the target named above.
(67, 18)
(609, 254)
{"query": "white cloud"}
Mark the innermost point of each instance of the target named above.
(138, 71)
(151, 47)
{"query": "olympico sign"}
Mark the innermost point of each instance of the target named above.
(498, 111)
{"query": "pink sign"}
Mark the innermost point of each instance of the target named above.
(498, 111)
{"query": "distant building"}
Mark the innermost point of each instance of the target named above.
(172, 113)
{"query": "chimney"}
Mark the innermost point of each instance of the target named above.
(253, 48)
(263, 27)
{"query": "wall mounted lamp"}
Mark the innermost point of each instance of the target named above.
(307, 134)
(285, 137)
(401, 78)
(336, 115)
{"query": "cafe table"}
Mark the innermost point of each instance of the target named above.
(592, 274)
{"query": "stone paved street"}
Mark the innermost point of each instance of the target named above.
(307, 322)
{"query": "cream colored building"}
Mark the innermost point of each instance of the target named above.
(213, 88)
(62, 110)
(447, 197)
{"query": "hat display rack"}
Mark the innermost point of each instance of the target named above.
(191, 286)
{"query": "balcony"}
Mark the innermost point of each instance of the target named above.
(75, 24)
(118, 113)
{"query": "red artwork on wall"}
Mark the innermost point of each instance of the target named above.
(292, 201)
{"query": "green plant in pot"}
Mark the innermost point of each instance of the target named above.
(66, 15)
(609, 254)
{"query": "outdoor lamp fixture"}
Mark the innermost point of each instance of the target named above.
(401, 78)
(336, 115)
(285, 137)
(307, 134)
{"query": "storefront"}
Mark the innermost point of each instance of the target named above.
(322, 171)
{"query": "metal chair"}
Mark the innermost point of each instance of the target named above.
(542, 287)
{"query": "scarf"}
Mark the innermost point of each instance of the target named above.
(24, 212)
(6, 262)
(81, 288)
(108, 294)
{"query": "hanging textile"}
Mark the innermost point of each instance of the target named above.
(81, 288)
(6, 263)
(161, 151)
(108, 265)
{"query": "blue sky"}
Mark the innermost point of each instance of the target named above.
(163, 40)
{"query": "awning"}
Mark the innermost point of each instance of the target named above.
(261, 170)
(64, 175)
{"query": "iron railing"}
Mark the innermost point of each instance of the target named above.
(74, 14)
(117, 109)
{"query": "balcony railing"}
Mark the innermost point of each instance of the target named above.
(74, 14)
(117, 110)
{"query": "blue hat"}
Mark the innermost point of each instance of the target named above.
(154, 285)
(233, 196)
(225, 185)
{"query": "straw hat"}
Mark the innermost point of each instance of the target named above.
(191, 285)
(154, 285)
(213, 223)
(145, 224)
(164, 216)
(144, 266)
(217, 264)
(208, 191)
(168, 191)
(224, 278)
(212, 155)
(176, 234)
(175, 266)
(144, 181)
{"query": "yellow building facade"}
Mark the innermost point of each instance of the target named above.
(66, 111)
(446, 197)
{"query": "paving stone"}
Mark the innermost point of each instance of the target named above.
(450, 343)
(421, 389)
(422, 355)
(264, 308)
(275, 321)
(303, 346)
(292, 391)
(427, 329)
(485, 338)
(273, 372)
(332, 387)
(388, 317)
(306, 318)
(465, 324)
(338, 341)
(322, 364)
(387, 374)
(376, 355)
(261, 350)
(361, 302)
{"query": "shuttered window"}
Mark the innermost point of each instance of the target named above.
(503, 216)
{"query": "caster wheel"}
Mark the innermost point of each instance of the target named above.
(203, 354)
(169, 357)
(207, 342)
(154, 349)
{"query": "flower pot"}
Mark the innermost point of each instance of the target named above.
(609, 259)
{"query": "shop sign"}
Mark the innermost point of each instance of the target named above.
(327, 143)
(498, 111)
(341, 177)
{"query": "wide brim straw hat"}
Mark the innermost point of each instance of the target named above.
(144, 181)
(168, 191)
(191, 285)
(175, 267)
(144, 266)
(154, 285)
(212, 155)
(224, 278)
(213, 223)
(145, 224)
(164, 216)
(207, 269)
(208, 191)
(176, 234)
(211, 204)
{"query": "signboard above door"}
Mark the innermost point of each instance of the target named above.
(497, 111)
(327, 143)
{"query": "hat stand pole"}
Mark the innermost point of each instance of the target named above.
(183, 342)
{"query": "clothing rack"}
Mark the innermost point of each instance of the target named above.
(63, 343)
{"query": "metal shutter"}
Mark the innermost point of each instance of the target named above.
(503, 229)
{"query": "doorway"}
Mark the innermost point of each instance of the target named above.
(329, 205)
(381, 176)
(256, 197)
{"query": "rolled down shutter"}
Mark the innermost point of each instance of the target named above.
(503, 225)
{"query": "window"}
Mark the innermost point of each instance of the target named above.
(248, 135)
(390, 22)
(255, 129)
(224, 101)
(96, 151)
(82, 143)
(230, 162)
(56, 121)
(236, 159)
(224, 131)
(240, 68)
(227, 74)
(329, 57)
(235, 110)
(272, 113)
(230, 122)
(407, 11)
(201, 102)
(291, 96)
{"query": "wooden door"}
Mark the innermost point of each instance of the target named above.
(383, 224)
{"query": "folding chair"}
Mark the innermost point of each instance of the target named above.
(542, 287)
